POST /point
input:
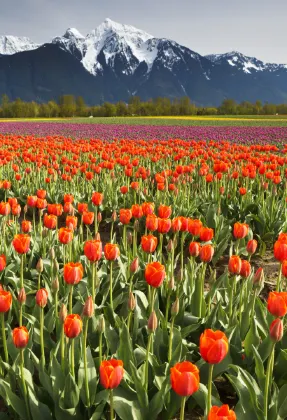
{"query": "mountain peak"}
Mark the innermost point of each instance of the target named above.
(73, 33)
(10, 44)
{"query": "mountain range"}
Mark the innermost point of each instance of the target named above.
(115, 61)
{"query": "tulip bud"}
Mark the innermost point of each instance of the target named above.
(63, 313)
(134, 265)
(258, 279)
(129, 238)
(251, 246)
(40, 266)
(170, 246)
(25, 209)
(98, 236)
(101, 325)
(52, 254)
(136, 225)
(114, 216)
(22, 296)
(152, 322)
(88, 307)
(56, 265)
(45, 233)
(55, 285)
(276, 330)
(131, 302)
(42, 298)
(171, 284)
(175, 308)
(99, 217)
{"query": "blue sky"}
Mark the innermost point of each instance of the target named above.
(253, 27)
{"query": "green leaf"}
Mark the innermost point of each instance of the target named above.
(259, 368)
(71, 392)
(282, 402)
(200, 397)
(125, 406)
(252, 339)
(58, 377)
(12, 399)
(156, 404)
(97, 415)
(140, 390)
(125, 350)
(92, 378)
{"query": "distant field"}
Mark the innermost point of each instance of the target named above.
(232, 120)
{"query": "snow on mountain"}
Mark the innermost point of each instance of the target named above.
(111, 38)
(243, 62)
(12, 44)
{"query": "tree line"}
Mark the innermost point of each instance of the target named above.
(70, 106)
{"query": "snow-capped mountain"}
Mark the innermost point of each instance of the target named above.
(243, 62)
(13, 44)
(114, 62)
(111, 39)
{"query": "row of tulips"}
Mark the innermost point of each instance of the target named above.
(150, 296)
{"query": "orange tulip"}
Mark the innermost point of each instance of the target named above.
(152, 222)
(164, 225)
(164, 212)
(240, 230)
(73, 325)
(234, 264)
(26, 226)
(93, 250)
(65, 235)
(213, 346)
(251, 246)
(149, 243)
(21, 243)
(73, 273)
(5, 301)
(245, 269)
(88, 217)
(50, 221)
(277, 303)
(184, 378)
(111, 251)
(2, 262)
(206, 253)
(155, 274)
(147, 208)
(194, 249)
(125, 216)
(42, 298)
(206, 234)
(97, 198)
(221, 413)
(276, 329)
(194, 227)
(72, 221)
(111, 373)
(20, 337)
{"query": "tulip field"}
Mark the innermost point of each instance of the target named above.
(143, 272)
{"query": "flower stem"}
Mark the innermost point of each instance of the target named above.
(100, 347)
(278, 285)
(93, 282)
(22, 272)
(63, 349)
(85, 362)
(182, 408)
(146, 361)
(232, 289)
(269, 370)
(4, 338)
(73, 357)
(71, 299)
(111, 286)
(42, 337)
(170, 340)
(111, 405)
(209, 388)
(25, 392)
